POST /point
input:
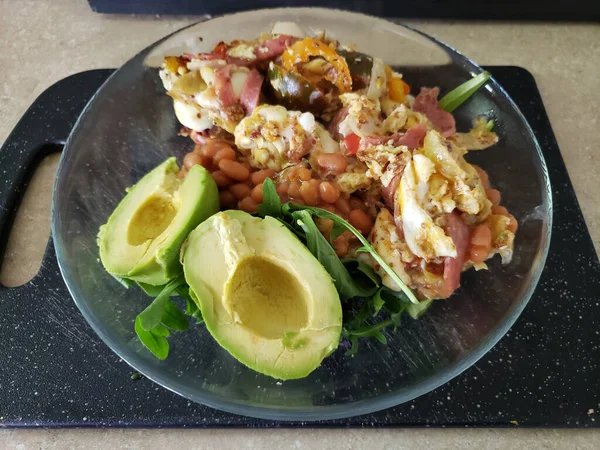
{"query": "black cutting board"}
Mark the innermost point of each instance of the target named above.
(54, 370)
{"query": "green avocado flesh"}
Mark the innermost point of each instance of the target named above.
(142, 239)
(264, 297)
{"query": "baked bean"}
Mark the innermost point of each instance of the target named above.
(248, 205)
(329, 193)
(227, 199)
(343, 205)
(481, 235)
(325, 226)
(485, 180)
(361, 221)
(501, 210)
(342, 243)
(309, 193)
(261, 175)
(284, 198)
(198, 149)
(221, 179)
(240, 190)
(257, 193)
(297, 201)
(224, 154)
(493, 196)
(513, 225)
(303, 173)
(192, 159)
(282, 188)
(182, 173)
(294, 189)
(212, 147)
(234, 169)
(334, 163)
(479, 253)
(247, 165)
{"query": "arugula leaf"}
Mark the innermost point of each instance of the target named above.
(271, 205)
(324, 252)
(356, 265)
(191, 308)
(125, 282)
(363, 275)
(416, 311)
(378, 302)
(367, 247)
(151, 317)
(174, 318)
(154, 340)
(461, 94)
(150, 289)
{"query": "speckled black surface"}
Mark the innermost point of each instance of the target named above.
(56, 372)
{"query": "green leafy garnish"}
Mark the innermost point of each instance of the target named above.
(152, 325)
(271, 205)
(461, 94)
(366, 248)
(151, 317)
(191, 308)
(173, 318)
(324, 252)
(154, 340)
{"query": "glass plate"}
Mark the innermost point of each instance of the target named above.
(129, 127)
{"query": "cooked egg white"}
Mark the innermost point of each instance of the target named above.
(362, 118)
(424, 238)
(192, 116)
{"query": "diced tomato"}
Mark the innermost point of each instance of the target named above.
(220, 50)
(352, 142)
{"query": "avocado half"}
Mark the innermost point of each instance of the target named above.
(264, 297)
(142, 239)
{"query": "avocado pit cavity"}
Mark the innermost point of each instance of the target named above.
(266, 298)
(151, 219)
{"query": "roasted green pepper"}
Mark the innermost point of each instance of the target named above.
(295, 92)
(360, 66)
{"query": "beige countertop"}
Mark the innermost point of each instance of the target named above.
(42, 41)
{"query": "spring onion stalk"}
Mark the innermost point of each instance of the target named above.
(461, 94)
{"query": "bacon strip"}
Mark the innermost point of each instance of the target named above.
(459, 232)
(411, 139)
(251, 91)
(223, 86)
(426, 102)
(272, 48)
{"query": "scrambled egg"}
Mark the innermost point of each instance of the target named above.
(435, 181)
(362, 118)
(385, 240)
(424, 237)
(401, 118)
(384, 161)
(465, 184)
(479, 138)
(273, 137)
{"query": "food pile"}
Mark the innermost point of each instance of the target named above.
(345, 201)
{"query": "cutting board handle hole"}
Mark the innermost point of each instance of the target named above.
(30, 231)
